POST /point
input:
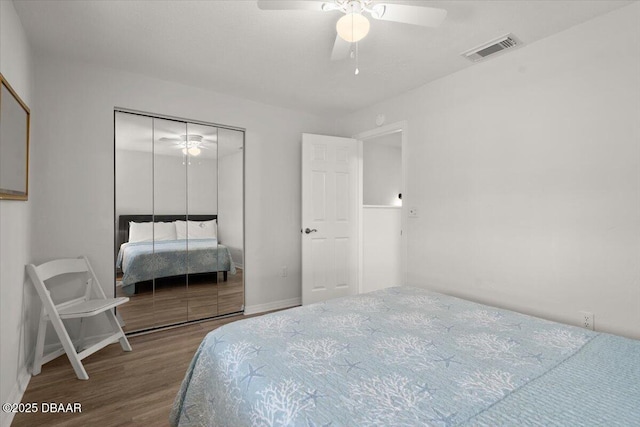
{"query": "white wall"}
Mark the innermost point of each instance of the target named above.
(381, 248)
(202, 184)
(73, 203)
(526, 173)
(136, 194)
(16, 292)
(382, 172)
(134, 183)
(230, 201)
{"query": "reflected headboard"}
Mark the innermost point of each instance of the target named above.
(122, 235)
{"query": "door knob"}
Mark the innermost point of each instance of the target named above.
(309, 230)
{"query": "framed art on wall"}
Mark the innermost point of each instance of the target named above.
(14, 144)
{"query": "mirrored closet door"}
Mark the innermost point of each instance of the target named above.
(179, 220)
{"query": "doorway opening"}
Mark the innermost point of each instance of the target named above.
(382, 242)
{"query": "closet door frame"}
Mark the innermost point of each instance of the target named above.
(115, 221)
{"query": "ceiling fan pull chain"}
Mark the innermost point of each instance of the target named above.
(357, 62)
(353, 38)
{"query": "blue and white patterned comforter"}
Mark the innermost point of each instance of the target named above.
(150, 260)
(408, 357)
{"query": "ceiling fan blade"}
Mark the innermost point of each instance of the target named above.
(163, 139)
(341, 49)
(291, 5)
(415, 15)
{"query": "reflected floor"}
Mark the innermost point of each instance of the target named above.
(175, 302)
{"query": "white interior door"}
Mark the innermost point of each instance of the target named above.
(329, 217)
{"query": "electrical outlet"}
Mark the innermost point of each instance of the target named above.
(586, 320)
(285, 271)
(413, 213)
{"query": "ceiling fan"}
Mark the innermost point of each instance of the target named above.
(192, 144)
(354, 25)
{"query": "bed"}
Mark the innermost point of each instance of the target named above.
(144, 261)
(408, 357)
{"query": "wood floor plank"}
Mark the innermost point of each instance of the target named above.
(176, 300)
(124, 388)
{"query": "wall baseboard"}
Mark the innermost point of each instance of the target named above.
(24, 376)
(275, 305)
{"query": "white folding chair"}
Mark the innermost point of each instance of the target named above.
(85, 306)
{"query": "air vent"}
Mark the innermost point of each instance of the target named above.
(492, 48)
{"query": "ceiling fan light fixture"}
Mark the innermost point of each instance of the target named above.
(191, 138)
(377, 11)
(191, 144)
(353, 27)
(328, 7)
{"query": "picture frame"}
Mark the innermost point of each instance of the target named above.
(15, 118)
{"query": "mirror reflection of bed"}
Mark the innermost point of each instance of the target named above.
(179, 220)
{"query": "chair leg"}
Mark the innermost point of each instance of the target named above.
(37, 360)
(67, 344)
(124, 342)
(78, 368)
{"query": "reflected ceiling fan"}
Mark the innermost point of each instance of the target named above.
(354, 25)
(192, 144)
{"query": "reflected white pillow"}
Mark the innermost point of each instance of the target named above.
(164, 231)
(197, 229)
(148, 231)
(140, 232)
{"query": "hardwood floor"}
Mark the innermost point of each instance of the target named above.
(124, 388)
(172, 301)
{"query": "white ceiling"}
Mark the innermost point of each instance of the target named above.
(283, 57)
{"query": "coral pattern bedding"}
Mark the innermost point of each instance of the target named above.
(148, 260)
(408, 357)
